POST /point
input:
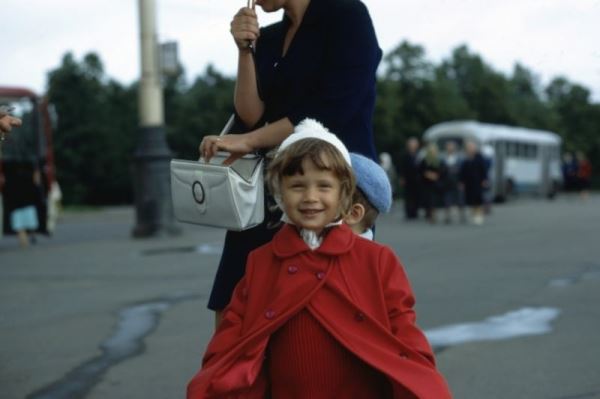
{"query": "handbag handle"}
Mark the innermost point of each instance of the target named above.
(250, 4)
(228, 125)
(226, 128)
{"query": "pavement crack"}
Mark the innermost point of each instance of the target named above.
(135, 323)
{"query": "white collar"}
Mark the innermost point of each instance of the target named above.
(368, 234)
(310, 237)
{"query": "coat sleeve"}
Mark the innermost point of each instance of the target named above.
(226, 374)
(349, 73)
(229, 329)
(400, 301)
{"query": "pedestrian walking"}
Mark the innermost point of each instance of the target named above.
(321, 312)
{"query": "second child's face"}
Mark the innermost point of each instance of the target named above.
(311, 200)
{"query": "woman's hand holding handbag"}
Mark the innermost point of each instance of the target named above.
(226, 191)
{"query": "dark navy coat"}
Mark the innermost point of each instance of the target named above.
(328, 74)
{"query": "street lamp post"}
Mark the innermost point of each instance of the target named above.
(154, 209)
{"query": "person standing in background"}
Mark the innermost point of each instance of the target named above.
(432, 173)
(386, 163)
(584, 174)
(487, 152)
(453, 201)
(21, 188)
(409, 171)
(569, 172)
(473, 179)
(7, 122)
(319, 62)
(20, 179)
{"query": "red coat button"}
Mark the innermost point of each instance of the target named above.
(320, 275)
(269, 314)
(292, 269)
(359, 316)
(404, 355)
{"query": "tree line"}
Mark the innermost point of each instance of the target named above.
(98, 122)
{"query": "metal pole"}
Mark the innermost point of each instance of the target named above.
(152, 189)
(150, 93)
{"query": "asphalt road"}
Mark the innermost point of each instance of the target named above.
(512, 307)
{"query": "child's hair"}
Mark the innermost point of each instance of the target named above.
(368, 220)
(324, 156)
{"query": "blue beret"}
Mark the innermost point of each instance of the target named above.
(373, 182)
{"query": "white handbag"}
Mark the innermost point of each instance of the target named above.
(213, 194)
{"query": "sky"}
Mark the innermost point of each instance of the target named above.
(550, 37)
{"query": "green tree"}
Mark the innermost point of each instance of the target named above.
(525, 102)
(202, 109)
(93, 139)
(413, 94)
(98, 120)
(483, 89)
(579, 118)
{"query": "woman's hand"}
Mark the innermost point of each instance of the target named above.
(236, 144)
(244, 28)
(7, 122)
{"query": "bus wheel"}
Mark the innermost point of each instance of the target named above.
(551, 194)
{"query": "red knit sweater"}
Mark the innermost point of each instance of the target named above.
(306, 362)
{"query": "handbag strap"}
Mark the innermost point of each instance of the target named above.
(228, 125)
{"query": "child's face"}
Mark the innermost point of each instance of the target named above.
(311, 200)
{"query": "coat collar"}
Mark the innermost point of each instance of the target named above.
(287, 242)
(313, 14)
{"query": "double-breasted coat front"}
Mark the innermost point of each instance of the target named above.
(355, 288)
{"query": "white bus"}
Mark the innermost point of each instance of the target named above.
(522, 160)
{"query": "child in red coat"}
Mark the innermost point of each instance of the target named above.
(320, 312)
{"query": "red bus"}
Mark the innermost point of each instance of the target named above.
(27, 151)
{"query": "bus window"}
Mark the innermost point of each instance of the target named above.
(532, 152)
(520, 150)
(510, 149)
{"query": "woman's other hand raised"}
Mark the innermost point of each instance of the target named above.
(244, 28)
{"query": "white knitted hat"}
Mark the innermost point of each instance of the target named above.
(309, 129)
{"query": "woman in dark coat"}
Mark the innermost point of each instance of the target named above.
(474, 179)
(318, 62)
(433, 174)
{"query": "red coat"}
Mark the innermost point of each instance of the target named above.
(355, 288)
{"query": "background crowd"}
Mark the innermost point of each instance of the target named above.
(450, 179)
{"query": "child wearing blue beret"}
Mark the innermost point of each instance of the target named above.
(373, 195)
